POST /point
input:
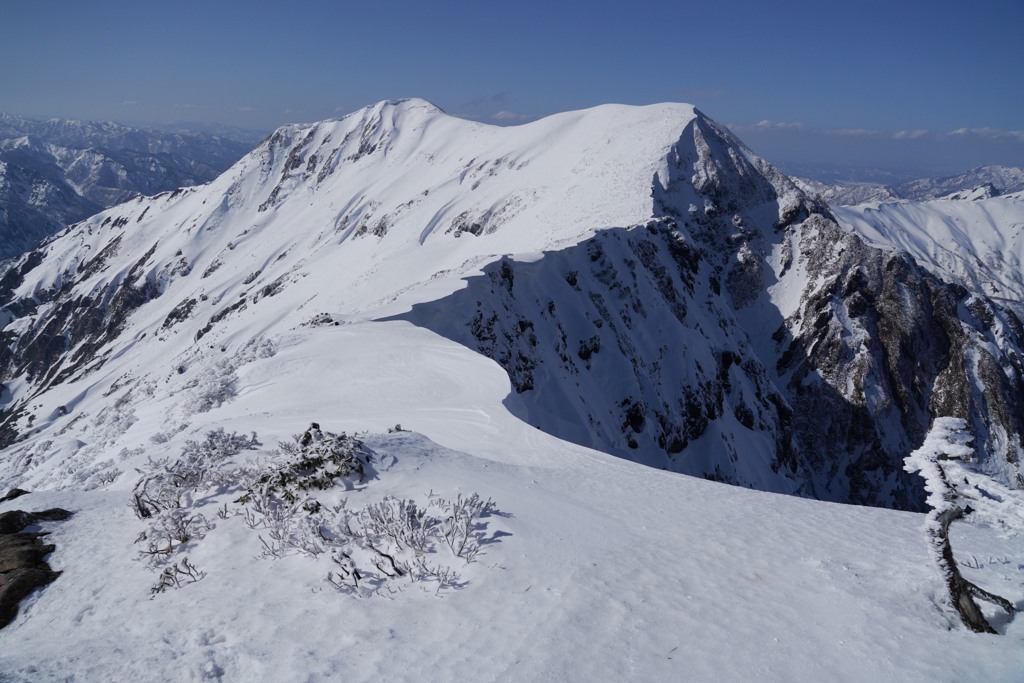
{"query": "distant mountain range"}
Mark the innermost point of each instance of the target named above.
(982, 182)
(57, 172)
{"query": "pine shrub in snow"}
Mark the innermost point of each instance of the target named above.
(316, 460)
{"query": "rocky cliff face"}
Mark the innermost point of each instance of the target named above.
(741, 335)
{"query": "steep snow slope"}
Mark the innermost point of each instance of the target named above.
(976, 243)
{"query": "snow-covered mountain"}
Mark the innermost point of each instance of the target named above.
(1001, 180)
(621, 280)
(56, 172)
(975, 241)
(659, 293)
(979, 183)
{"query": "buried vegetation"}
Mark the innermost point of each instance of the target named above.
(293, 498)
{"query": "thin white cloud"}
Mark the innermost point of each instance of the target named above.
(765, 124)
(246, 109)
(909, 134)
(509, 116)
(130, 103)
(987, 133)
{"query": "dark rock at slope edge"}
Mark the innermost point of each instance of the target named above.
(23, 567)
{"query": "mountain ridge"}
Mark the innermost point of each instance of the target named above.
(382, 203)
(259, 395)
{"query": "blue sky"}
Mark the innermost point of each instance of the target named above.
(887, 84)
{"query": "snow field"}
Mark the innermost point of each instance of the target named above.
(603, 569)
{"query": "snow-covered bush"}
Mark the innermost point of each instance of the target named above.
(943, 462)
(214, 388)
(315, 460)
(164, 497)
(375, 549)
(168, 481)
(373, 546)
(384, 544)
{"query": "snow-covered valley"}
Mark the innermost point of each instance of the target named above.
(565, 318)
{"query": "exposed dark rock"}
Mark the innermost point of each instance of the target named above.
(12, 494)
(23, 567)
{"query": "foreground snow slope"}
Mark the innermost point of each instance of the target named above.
(601, 570)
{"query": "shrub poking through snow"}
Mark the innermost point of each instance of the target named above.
(169, 481)
(316, 460)
(395, 540)
(378, 548)
(165, 496)
(375, 548)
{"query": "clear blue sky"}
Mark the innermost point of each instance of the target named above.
(853, 82)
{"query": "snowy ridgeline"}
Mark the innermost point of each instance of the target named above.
(978, 183)
(976, 244)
